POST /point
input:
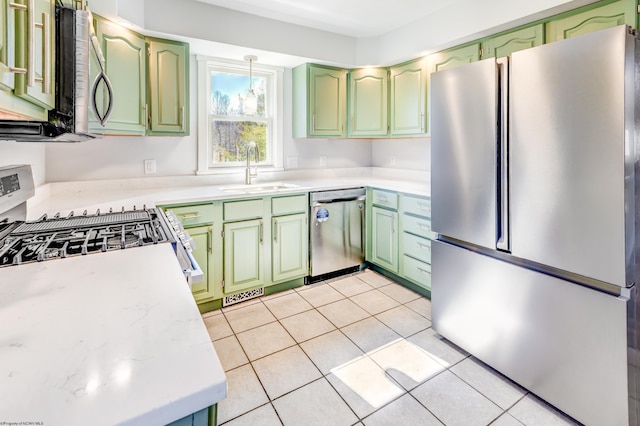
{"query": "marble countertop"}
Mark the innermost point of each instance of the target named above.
(114, 338)
(103, 195)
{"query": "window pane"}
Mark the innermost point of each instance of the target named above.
(228, 91)
(229, 140)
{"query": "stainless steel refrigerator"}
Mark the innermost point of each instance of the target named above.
(535, 180)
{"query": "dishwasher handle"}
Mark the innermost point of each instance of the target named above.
(338, 200)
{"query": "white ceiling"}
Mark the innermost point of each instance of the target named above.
(356, 18)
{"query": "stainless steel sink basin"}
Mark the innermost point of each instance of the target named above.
(256, 189)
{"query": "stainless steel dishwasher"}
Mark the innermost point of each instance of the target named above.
(336, 231)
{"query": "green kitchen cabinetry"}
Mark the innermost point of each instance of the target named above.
(415, 247)
(507, 43)
(126, 66)
(383, 241)
(290, 250)
(243, 255)
(399, 237)
(319, 101)
(27, 65)
(168, 95)
(407, 104)
(198, 221)
(150, 79)
(290, 238)
(454, 57)
(368, 101)
(593, 19)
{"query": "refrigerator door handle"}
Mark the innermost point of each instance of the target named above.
(503, 241)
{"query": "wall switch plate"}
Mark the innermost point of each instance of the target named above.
(292, 162)
(323, 161)
(149, 167)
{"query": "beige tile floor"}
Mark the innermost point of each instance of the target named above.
(358, 350)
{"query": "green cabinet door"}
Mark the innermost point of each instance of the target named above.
(290, 251)
(368, 93)
(36, 54)
(384, 238)
(168, 87)
(506, 44)
(7, 45)
(202, 236)
(125, 61)
(408, 99)
(328, 101)
(243, 255)
(599, 18)
(454, 57)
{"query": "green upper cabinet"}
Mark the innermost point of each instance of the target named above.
(506, 44)
(454, 57)
(289, 247)
(368, 93)
(599, 18)
(125, 60)
(168, 88)
(27, 58)
(243, 255)
(408, 99)
(36, 55)
(319, 101)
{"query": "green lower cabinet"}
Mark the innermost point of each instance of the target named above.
(416, 271)
(243, 255)
(505, 44)
(289, 247)
(205, 417)
(202, 236)
(384, 238)
(599, 18)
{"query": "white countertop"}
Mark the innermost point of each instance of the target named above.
(110, 338)
(103, 195)
(117, 338)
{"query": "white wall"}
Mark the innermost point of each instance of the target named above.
(405, 154)
(25, 153)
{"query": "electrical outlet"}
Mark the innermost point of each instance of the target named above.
(149, 167)
(292, 162)
(323, 161)
(393, 160)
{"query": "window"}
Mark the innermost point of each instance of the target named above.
(225, 129)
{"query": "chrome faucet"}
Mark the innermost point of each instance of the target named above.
(248, 175)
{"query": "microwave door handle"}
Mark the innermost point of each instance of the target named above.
(102, 118)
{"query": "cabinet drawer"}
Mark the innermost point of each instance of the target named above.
(288, 205)
(193, 215)
(416, 271)
(417, 247)
(385, 199)
(240, 210)
(417, 225)
(417, 206)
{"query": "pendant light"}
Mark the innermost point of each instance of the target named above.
(250, 103)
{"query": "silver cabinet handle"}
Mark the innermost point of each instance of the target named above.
(424, 271)
(46, 54)
(423, 226)
(424, 207)
(20, 7)
(261, 231)
(422, 245)
(31, 48)
(210, 232)
(190, 216)
(181, 124)
(275, 231)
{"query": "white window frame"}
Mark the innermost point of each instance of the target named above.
(275, 105)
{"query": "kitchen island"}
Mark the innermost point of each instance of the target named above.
(114, 338)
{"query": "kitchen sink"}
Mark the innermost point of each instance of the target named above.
(257, 189)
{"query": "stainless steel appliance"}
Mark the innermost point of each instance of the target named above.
(535, 181)
(69, 121)
(336, 230)
(59, 237)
